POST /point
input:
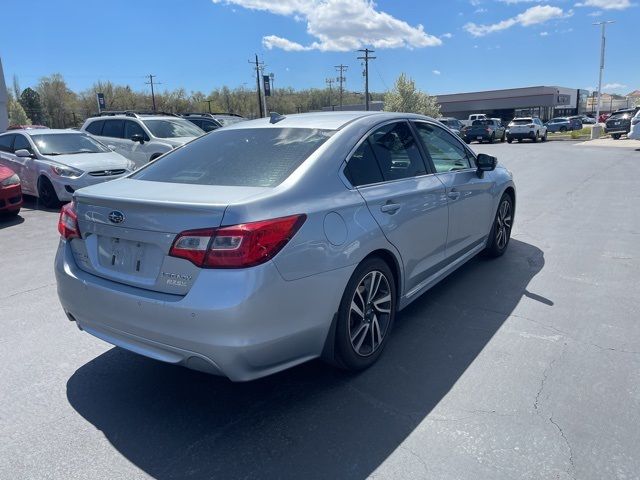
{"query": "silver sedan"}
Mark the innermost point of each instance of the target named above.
(275, 241)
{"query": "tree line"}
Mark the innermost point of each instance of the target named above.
(52, 103)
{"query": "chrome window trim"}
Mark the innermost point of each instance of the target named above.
(369, 132)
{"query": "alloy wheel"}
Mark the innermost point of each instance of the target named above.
(503, 224)
(370, 313)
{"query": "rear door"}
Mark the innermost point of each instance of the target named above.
(113, 136)
(406, 200)
(469, 196)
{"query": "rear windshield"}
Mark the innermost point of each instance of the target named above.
(174, 128)
(482, 122)
(256, 157)
(522, 121)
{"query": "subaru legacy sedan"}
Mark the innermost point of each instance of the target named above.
(275, 241)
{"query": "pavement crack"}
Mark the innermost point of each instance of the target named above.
(545, 376)
(29, 290)
(417, 457)
(566, 441)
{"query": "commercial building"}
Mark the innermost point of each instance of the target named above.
(544, 102)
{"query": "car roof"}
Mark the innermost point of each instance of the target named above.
(323, 120)
(129, 117)
(43, 131)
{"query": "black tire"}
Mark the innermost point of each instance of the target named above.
(47, 194)
(535, 137)
(501, 230)
(563, 129)
(544, 137)
(347, 356)
(519, 140)
(509, 140)
(616, 136)
(502, 138)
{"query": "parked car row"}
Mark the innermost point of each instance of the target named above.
(620, 122)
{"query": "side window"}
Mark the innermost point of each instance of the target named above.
(196, 121)
(396, 151)
(208, 125)
(446, 152)
(6, 142)
(132, 128)
(113, 128)
(21, 143)
(95, 128)
(362, 168)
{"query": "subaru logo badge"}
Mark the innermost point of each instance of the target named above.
(116, 217)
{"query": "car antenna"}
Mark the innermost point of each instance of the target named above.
(275, 117)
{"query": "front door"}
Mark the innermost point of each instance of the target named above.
(408, 204)
(469, 196)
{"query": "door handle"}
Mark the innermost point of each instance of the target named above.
(453, 194)
(390, 208)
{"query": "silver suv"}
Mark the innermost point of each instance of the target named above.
(141, 137)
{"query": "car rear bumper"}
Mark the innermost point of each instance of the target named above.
(242, 324)
(521, 135)
(616, 130)
(10, 198)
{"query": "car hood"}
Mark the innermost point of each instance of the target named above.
(91, 161)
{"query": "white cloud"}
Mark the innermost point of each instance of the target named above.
(447, 35)
(340, 25)
(597, 13)
(613, 86)
(514, 2)
(531, 16)
(436, 72)
(606, 4)
(480, 10)
(544, 34)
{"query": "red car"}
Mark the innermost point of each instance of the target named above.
(603, 117)
(10, 192)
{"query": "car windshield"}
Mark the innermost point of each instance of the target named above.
(250, 157)
(522, 121)
(229, 120)
(67, 144)
(172, 128)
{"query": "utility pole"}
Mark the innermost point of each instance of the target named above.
(366, 59)
(330, 81)
(258, 91)
(153, 96)
(264, 93)
(341, 79)
(602, 47)
(209, 104)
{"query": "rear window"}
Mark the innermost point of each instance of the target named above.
(95, 128)
(257, 157)
(482, 122)
(522, 121)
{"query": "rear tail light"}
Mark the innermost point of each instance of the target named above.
(531, 125)
(237, 246)
(68, 222)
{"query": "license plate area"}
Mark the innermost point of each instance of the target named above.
(121, 255)
(479, 137)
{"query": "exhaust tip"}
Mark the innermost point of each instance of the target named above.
(70, 317)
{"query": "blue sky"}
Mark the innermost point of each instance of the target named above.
(446, 46)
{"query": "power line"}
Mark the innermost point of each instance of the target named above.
(366, 59)
(152, 83)
(257, 66)
(341, 79)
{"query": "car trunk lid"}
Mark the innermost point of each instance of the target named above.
(128, 227)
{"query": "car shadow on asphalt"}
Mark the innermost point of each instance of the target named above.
(34, 203)
(7, 221)
(311, 421)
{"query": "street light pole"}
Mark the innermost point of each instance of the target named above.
(603, 26)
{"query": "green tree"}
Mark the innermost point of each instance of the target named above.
(32, 105)
(17, 116)
(58, 100)
(405, 97)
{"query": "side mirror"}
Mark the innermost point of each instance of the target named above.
(24, 153)
(136, 137)
(486, 163)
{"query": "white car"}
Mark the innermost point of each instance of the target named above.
(53, 164)
(634, 134)
(141, 137)
(530, 128)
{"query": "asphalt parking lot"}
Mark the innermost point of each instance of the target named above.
(523, 367)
